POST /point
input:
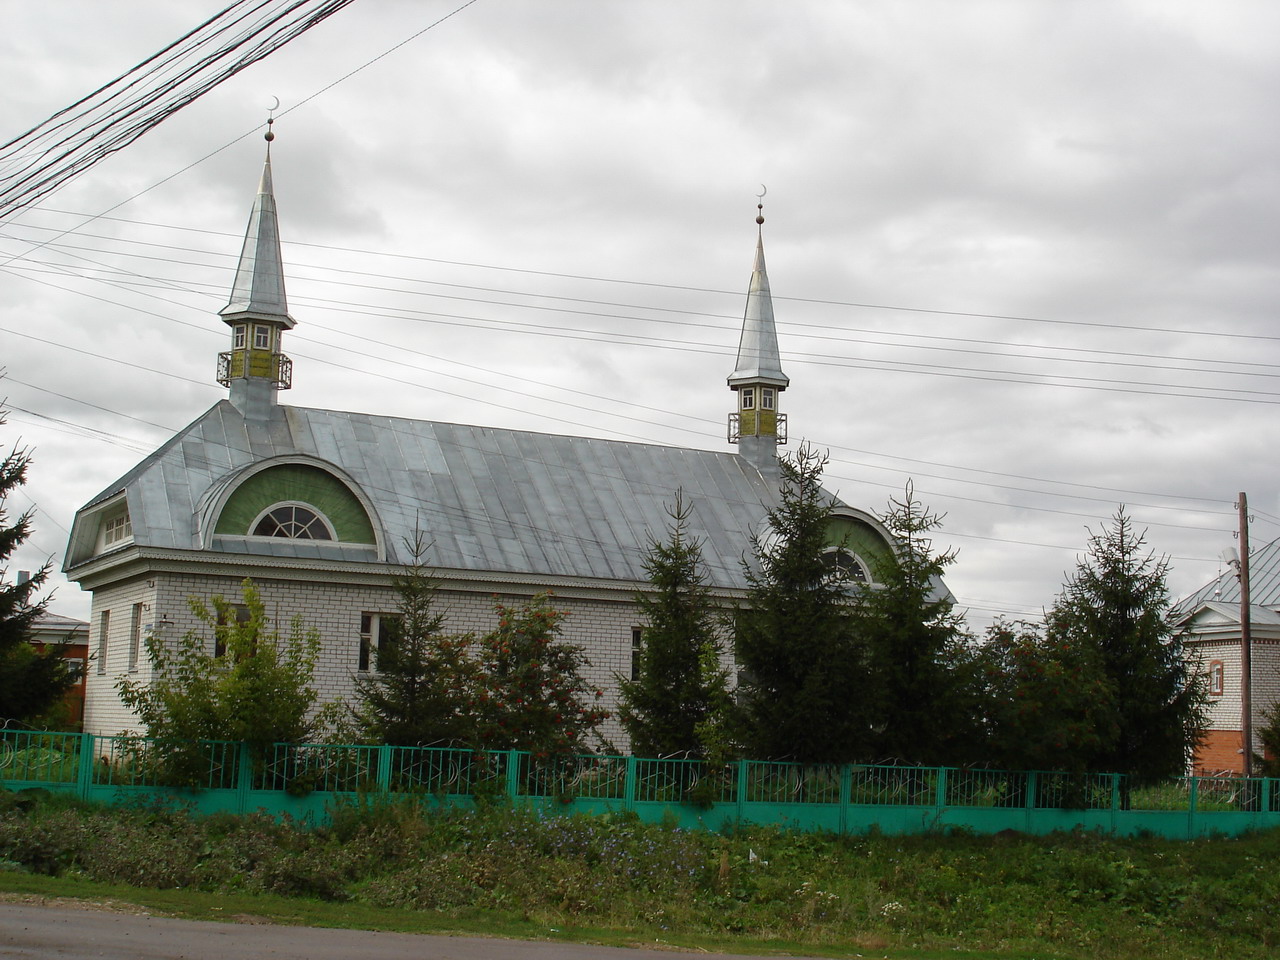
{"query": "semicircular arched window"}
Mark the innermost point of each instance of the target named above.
(293, 521)
(844, 566)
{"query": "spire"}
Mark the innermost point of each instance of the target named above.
(258, 291)
(758, 359)
(258, 314)
(757, 380)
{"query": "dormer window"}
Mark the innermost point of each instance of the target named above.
(237, 337)
(261, 336)
(117, 529)
(293, 521)
(768, 398)
(748, 398)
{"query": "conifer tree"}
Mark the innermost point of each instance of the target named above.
(424, 687)
(32, 682)
(1115, 607)
(803, 690)
(923, 681)
(675, 701)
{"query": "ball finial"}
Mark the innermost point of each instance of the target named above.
(760, 215)
(269, 136)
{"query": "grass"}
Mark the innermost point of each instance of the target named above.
(613, 880)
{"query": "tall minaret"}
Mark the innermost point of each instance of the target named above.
(258, 314)
(757, 426)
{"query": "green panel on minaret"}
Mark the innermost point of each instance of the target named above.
(298, 483)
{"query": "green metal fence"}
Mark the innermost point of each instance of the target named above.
(305, 780)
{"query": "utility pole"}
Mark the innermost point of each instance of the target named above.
(1246, 642)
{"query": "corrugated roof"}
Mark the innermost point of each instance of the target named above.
(488, 500)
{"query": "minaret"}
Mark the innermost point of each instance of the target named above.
(757, 426)
(258, 314)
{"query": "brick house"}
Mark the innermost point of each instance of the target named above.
(1211, 619)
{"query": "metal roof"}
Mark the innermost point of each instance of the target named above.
(258, 290)
(1264, 584)
(758, 358)
(488, 500)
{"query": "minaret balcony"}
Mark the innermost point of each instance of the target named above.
(238, 364)
(758, 423)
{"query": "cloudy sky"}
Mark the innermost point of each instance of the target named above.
(1024, 254)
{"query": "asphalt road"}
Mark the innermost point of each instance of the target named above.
(31, 931)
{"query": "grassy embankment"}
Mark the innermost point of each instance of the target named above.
(504, 872)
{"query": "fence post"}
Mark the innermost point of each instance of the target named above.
(384, 768)
(1267, 786)
(84, 769)
(940, 789)
(513, 775)
(629, 785)
(1193, 801)
(244, 777)
(846, 795)
(742, 789)
(1032, 787)
(1115, 802)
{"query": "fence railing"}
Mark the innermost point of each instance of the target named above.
(305, 780)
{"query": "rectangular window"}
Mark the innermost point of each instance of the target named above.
(377, 633)
(237, 337)
(219, 638)
(104, 628)
(117, 529)
(748, 398)
(261, 337)
(1215, 678)
(637, 642)
(766, 398)
(135, 637)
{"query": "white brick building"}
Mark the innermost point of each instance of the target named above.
(316, 505)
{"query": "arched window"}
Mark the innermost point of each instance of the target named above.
(293, 521)
(844, 566)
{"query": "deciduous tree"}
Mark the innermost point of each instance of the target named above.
(532, 693)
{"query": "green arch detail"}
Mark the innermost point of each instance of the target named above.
(297, 482)
(858, 537)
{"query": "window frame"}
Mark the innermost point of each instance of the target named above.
(856, 562)
(104, 638)
(768, 398)
(116, 529)
(1217, 678)
(135, 637)
(373, 625)
(747, 398)
(238, 336)
(294, 505)
(262, 339)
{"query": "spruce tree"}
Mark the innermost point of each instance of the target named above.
(803, 688)
(1115, 609)
(423, 689)
(32, 682)
(923, 680)
(674, 703)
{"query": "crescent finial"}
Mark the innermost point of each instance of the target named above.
(763, 191)
(275, 106)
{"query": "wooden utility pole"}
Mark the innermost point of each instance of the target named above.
(1246, 643)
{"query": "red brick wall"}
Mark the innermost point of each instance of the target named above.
(1219, 752)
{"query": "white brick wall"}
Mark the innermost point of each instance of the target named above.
(1224, 712)
(601, 626)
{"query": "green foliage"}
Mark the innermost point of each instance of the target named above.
(1268, 765)
(804, 668)
(532, 695)
(922, 679)
(763, 890)
(1113, 613)
(424, 689)
(1049, 705)
(32, 682)
(244, 682)
(678, 701)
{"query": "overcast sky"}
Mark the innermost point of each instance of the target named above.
(1023, 254)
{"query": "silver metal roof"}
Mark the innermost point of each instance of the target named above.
(488, 500)
(758, 359)
(1264, 585)
(258, 291)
